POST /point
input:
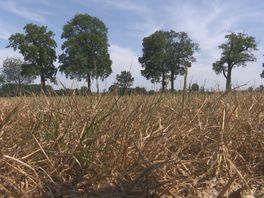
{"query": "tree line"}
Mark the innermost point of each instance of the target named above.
(85, 55)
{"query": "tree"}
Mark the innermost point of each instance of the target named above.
(37, 45)
(12, 72)
(181, 50)
(165, 55)
(85, 49)
(154, 58)
(236, 52)
(113, 87)
(125, 79)
(262, 74)
(260, 88)
(195, 87)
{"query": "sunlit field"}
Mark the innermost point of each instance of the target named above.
(132, 146)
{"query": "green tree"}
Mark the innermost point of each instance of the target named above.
(165, 55)
(195, 87)
(260, 88)
(2, 79)
(154, 58)
(85, 49)
(37, 45)
(180, 54)
(12, 72)
(124, 79)
(236, 52)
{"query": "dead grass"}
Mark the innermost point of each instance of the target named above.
(132, 146)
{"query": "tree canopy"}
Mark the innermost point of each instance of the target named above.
(85, 49)
(236, 51)
(195, 87)
(37, 45)
(180, 54)
(12, 72)
(124, 79)
(165, 55)
(154, 57)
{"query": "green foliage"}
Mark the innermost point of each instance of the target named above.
(260, 88)
(12, 72)
(165, 53)
(85, 49)
(9, 89)
(195, 87)
(126, 91)
(153, 59)
(124, 79)
(37, 45)
(113, 87)
(181, 51)
(237, 51)
(2, 79)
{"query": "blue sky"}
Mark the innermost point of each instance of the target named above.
(128, 21)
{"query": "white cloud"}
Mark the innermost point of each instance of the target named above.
(206, 22)
(10, 6)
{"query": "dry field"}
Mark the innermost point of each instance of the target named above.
(132, 146)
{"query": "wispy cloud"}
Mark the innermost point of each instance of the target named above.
(206, 23)
(4, 34)
(6, 30)
(21, 11)
(126, 5)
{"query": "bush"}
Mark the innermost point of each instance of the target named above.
(13, 89)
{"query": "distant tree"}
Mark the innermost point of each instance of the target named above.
(202, 89)
(260, 88)
(235, 52)
(195, 87)
(37, 45)
(262, 74)
(85, 49)
(113, 87)
(124, 79)
(154, 57)
(12, 72)
(84, 90)
(250, 89)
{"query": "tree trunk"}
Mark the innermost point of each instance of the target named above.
(228, 79)
(43, 83)
(97, 85)
(19, 87)
(172, 81)
(184, 88)
(163, 82)
(89, 83)
(97, 76)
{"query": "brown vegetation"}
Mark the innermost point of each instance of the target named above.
(132, 146)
